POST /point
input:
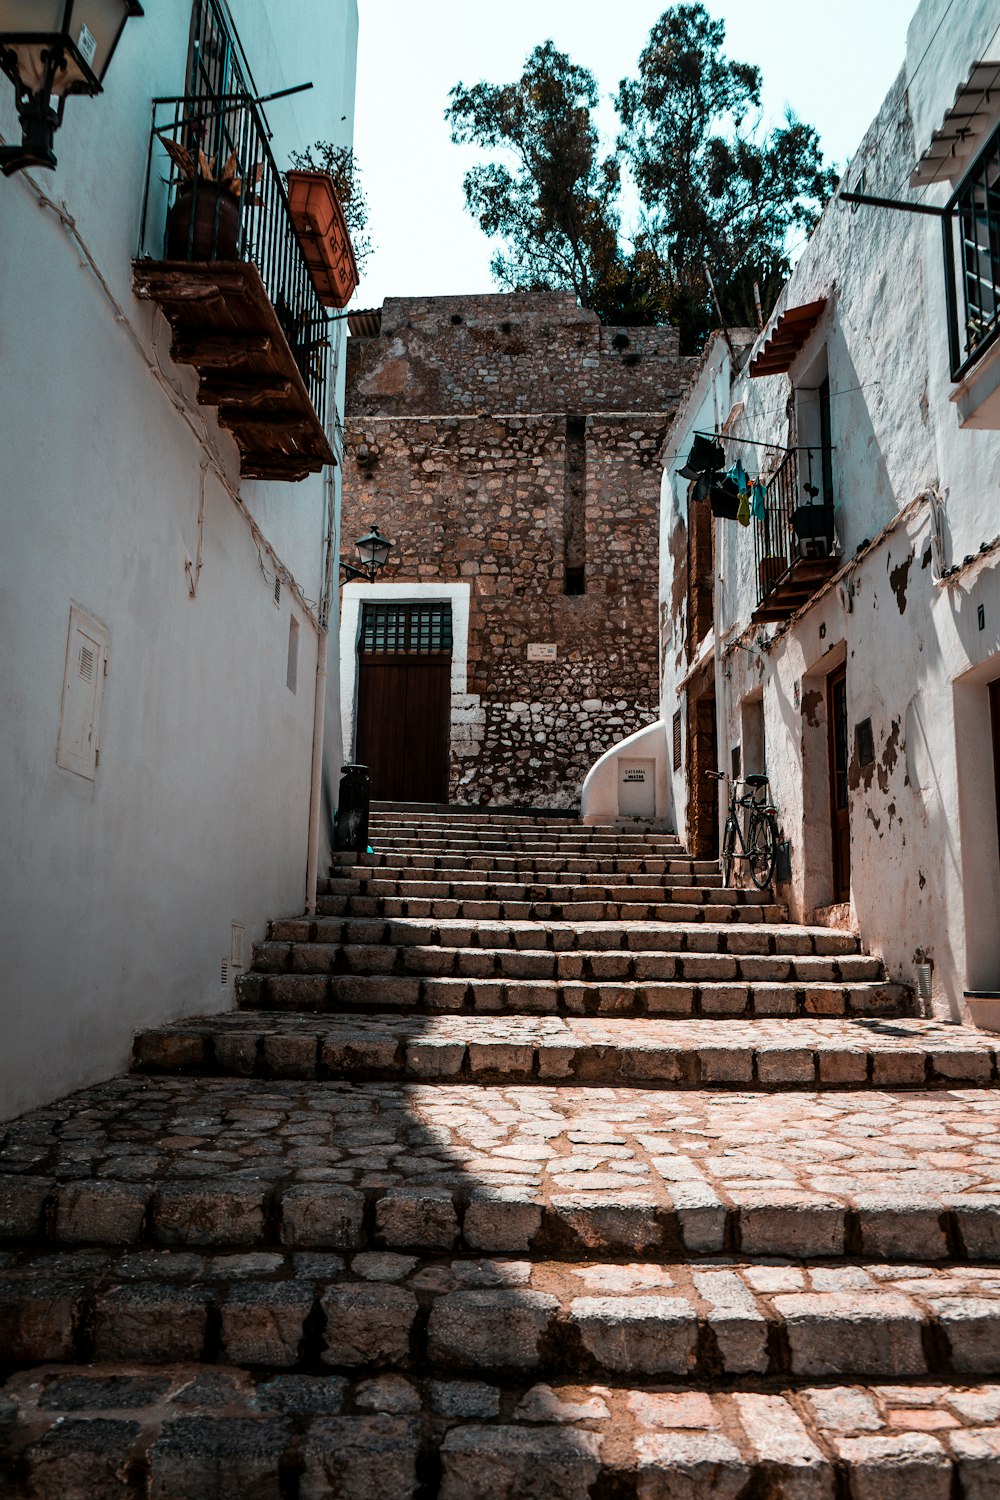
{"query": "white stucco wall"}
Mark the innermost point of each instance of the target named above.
(925, 865)
(121, 891)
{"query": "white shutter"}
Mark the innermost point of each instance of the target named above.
(79, 743)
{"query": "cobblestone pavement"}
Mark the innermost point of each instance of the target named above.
(522, 1234)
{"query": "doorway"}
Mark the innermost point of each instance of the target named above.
(703, 756)
(840, 822)
(404, 700)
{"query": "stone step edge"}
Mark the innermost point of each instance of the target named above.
(429, 996)
(689, 1220)
(409, 960)
(758, 940)
(253, 1051)
(515, 911)
(379, 1437)
(502, 1319)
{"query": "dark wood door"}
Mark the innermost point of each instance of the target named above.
(836, 714)
(404, 720)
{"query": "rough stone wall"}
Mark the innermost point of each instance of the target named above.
(457, 448)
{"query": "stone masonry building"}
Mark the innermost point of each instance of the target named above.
(507, 444)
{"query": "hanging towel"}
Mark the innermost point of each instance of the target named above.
(739, 477)
(757, 507)
(743, 513)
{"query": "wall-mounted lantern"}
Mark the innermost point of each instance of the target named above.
(50, 49)
(373, 549)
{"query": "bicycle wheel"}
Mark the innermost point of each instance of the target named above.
(763, 849)
(728, 851)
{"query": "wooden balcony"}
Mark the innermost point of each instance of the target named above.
(225, 326)
(219, 255)
(795, 587)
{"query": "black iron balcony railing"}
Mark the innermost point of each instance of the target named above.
(216, 194)
(971, 226)
(797, 526)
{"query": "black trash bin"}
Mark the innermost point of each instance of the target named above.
(351, 831)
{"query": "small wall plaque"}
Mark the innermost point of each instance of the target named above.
(541, 651)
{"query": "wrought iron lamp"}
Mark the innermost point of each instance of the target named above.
(50, 49)
(373, 549)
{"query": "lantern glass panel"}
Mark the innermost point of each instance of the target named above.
(91, 29)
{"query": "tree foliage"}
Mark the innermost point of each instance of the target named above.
(712, 186)
(342, 165)
(550, 196)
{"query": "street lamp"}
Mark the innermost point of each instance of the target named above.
(373, 549)
(50, 49)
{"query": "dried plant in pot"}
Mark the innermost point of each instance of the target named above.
(203, 222)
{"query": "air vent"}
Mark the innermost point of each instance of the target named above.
(224, 974)
(86, 664)
(924, 985)
(277, 590)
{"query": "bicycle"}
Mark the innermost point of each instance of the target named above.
(759, 845)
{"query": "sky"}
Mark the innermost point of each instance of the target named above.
(832, 65)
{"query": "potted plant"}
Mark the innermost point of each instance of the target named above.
(203, 222)
(329, 213)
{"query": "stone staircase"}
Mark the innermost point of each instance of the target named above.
(535, 1165)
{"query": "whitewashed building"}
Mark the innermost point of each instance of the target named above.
(849, 639)
(169, 502)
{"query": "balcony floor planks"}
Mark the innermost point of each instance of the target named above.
(223, 320)
(804, 578)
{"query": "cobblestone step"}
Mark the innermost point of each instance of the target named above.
(512, 963)
(569, 937)
(644, 891)
(566, 1173)
(673, 1053)
(547, 882)
(204, 1431)
(500, 1318)
(429, 995)
(723, 906)
(562, 866)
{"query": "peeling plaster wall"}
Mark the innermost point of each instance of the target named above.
(919, 653)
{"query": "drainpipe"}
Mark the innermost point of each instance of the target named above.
(322, 650)
(315, 791)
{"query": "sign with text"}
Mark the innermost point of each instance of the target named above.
(541, 651)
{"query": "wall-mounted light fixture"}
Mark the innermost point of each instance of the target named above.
(50, 49)
(373, 549)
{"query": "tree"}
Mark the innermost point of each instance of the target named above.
(713, 187)
(551, 196)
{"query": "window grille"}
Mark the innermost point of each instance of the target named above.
(406, 629)
(972, 228)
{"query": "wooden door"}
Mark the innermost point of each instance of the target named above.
(404, 713)
(836, 715)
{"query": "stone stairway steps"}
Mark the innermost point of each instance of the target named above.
(431, 995)
(382, 879)
(539, 963)
(569, 937)
(536, 1164)
(557, 1173)
(207, 1430)
(498, 1319)
(671, 1053)
(731, 906)
(559, 867)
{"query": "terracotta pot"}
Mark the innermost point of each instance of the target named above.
(322, 232)
(202, 239)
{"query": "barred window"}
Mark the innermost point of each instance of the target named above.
(406, 629)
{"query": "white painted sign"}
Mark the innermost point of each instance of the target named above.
(541, 651)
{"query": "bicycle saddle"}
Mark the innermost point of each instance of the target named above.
(756, 778)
